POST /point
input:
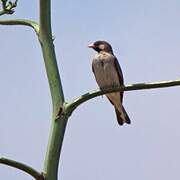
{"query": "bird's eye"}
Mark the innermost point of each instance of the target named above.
(101, 46)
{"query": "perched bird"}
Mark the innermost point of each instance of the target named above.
(108, 73)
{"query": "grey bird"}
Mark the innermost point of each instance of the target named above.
(108, 73)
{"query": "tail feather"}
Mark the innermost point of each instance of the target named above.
(120, 118)
(128, 121)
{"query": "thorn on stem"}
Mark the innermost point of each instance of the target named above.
(59, 113)
(53, 38)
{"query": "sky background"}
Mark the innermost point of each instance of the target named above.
(145, 36)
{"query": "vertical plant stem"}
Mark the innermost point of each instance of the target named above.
(57, 126)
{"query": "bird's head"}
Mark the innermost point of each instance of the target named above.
(100, 46)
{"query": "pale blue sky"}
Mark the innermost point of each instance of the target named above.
(145, 38)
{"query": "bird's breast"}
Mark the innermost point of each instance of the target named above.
(105, 71)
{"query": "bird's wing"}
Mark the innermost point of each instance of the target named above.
(92, 68)
(120, 74)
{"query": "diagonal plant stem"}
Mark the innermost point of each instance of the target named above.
(58, 127)
(24, 22)
(18, 165)
(43, 30)
(71, 106)
(2, 12)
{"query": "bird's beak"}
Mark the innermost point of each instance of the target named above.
(91, 46)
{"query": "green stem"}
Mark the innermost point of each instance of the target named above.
(24, 22)
(22, 167)
(2, 12)
(58, 126)
(70, 107)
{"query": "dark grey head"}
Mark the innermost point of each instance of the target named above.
(100, 46)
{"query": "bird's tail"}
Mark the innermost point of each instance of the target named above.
(122, 118)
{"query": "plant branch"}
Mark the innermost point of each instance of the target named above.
(29, 170)
(58, 127)
(70, 107)
(8, 7)
(24, 22)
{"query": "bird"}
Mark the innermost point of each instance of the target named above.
(108, 73)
